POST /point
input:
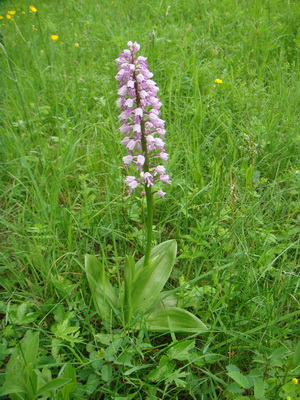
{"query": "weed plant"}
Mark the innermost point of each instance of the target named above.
(228, 73)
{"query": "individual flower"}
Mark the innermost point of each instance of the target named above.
(218, 80)
(295, 381)
(11, 12)
(141, 126)
(8, 16)
(32, 9)
(54, 37)
(1, 17)
(76, 44)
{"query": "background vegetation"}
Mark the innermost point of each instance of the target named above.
(233, 207)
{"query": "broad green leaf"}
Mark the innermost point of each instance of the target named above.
(169, 299)
(30, 378)
(103, 293)
(150, 280)
(173, 319)
(16, 372)
(11, 387)
(16, 361)
(239, 378)
(53, 385)
(31, 350)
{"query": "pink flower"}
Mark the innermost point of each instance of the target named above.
(142, 128)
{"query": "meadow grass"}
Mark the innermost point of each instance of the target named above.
(233, 207)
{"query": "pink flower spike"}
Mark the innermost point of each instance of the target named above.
(141, 126)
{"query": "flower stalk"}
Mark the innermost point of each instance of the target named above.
(142, 129)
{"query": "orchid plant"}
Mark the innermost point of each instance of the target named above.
(140, 300)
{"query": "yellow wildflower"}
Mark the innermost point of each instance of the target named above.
(12, 12)
(8, 16)
(76, 44)
(54, 37)
(295, 381)
(1, 17)
(32, 9)
(218, 80)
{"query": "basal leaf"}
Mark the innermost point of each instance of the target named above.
(150, 280)
(173, 319)
(31, 350)
(54, 384)
(103, 293)
(11, 387)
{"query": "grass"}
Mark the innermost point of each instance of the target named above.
(233, 207)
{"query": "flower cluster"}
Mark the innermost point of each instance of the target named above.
(142, 129)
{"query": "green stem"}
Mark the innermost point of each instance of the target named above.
(148, 190)
(149, 200)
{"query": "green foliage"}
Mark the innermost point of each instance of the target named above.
(103, 293)
(24, 380)
(273, 376)
(142, 292)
